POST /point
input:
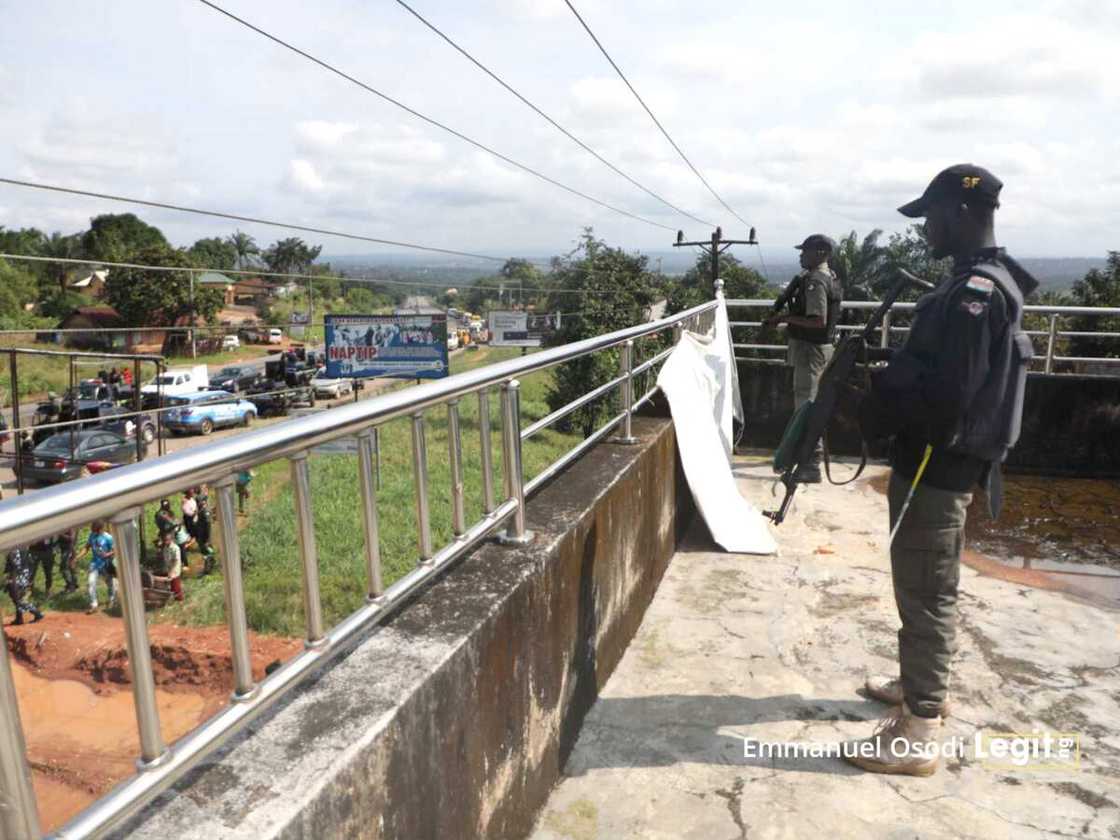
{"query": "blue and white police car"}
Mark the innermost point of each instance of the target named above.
(205, 411)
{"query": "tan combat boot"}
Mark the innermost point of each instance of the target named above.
(902, 745)
(889, 690)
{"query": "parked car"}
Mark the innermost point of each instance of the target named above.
(275, 336)
(331, 388)
(208, 410)
(126, 426)
(174, 382)
(235, 378)
(68, 455)
(231, 342)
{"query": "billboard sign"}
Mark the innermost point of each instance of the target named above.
(521, 329)
(409, 346)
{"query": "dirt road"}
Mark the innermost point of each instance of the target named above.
(72, 681)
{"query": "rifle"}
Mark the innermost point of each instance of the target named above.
(783, 298)
(809, 422)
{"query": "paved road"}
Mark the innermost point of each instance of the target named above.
(27, 404)
(174, 443)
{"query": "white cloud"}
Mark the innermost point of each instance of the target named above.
(820, 119)
(322, 133)
(304, 177)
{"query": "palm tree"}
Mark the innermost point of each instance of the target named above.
(58, 246)
(861, 264)
(245, 246)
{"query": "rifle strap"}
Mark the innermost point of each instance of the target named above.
(828, 463)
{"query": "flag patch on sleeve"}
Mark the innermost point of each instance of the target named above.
(980, 284)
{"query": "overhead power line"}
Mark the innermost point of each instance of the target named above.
(443, 126)
(492, 286)
(546, 117)
(656, 122)
(222, 215)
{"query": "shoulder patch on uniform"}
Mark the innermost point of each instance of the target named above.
(975, 308)
(980, 284)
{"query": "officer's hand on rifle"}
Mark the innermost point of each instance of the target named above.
(774, 320)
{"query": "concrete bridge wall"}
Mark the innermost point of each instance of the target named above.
(454, 719)
(1071, 424)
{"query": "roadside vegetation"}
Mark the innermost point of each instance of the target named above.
(269, 542)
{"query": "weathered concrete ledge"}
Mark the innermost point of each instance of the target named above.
(1071, 423)
(455, 718)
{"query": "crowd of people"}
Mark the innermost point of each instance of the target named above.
(177, 535)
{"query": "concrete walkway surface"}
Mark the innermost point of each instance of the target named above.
(774, 649)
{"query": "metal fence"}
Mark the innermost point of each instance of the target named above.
(118, 496)
(1048, 359)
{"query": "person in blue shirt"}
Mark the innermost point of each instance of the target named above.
(100, 544)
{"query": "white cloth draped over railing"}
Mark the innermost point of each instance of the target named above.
(700, 382)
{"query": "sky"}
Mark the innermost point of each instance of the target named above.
(806, 117)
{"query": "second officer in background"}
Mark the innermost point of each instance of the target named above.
(813, 299)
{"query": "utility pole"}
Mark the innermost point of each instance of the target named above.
(194, 316)
(715, 246)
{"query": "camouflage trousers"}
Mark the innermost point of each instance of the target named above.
(925, 569)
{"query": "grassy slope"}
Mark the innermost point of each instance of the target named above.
(269, 542)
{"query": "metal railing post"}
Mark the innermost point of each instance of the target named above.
(885, 331)
(243, 686)
(626, 368)
(126, 538)
(374, 585)
(455, 452)
(308, 552)
(488, 500)
(420, 472)
(19, 813)
(1050, 341)
(516, 533)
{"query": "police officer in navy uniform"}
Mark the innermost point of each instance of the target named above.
(814, 299)
(953, 392)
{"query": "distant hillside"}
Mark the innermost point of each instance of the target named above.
(1060, 273)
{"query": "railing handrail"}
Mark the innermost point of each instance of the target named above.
(28, 518)
(119, 496)
(904, 306)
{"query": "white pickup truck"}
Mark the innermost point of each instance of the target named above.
(175, 382)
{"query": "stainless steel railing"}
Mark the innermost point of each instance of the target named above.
(119, 495)
(1052, 333)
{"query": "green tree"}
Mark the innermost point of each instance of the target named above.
(58, 246)
(22, 241)
(18, 288)
(1097, 288)
(214, 253)
(911, 251)
(148, 298)
(291, 255)
(861, 264)
(694, 287)
(361, 301)
(120, 237)
(245, 247)
(619, 293)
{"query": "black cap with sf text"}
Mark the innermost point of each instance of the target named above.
(960, 184)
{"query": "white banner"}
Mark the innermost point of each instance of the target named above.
(699, 381)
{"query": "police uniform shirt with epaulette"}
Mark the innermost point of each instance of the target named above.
(957, 382)
(816, 297)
